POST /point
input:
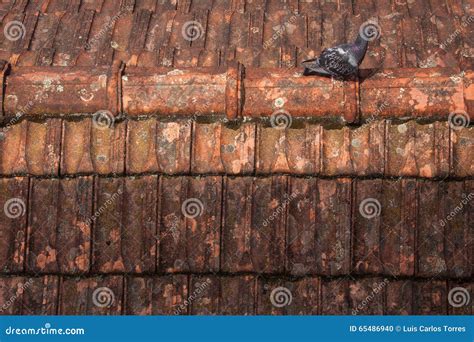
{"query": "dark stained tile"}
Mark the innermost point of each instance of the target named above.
(13, 218)
(333, 227)
(284, 297)
(367, 226)
(59, 225)
(125, 240)
(213, 295)
(430, 297)
(398, 226)
(399, 297)
(301, 227)
(156, 295)
(260, 246)
(91, 296)
(189, 224)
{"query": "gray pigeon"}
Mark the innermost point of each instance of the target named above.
(342, 61)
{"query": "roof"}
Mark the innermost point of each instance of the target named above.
(143, 172)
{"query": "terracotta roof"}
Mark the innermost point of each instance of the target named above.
(112, 121)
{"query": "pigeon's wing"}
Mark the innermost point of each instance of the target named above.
(312, 67)
(338, 61)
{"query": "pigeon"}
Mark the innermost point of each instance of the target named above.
(342, 61)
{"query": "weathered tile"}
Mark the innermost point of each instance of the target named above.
(42, 245)
(11, 293)
(430, 297)
(125, 240)
(301, 226)
(156, 295)
(13, 218)
(91, 296)
(398, 297)
(226, 295)
(260, 245)
(157, 146)
(296, 151)
(367, 296)
(219, 148)
(398, 226)
(30, 147)
(367, 222)
(333, 227)
(189, 224)
(430, 248)
(41, 297)
(458, 230)
(74, 212)
(336, 152)
(284, 297)
(335, 296)
(59, 225)
(463, 158)
(91, 148)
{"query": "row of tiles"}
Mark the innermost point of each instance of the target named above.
(412, 33)
(67, 147)
(268, 225)
(230, 295)
(453, 7)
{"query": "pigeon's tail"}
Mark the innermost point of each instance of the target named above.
(311, 71)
